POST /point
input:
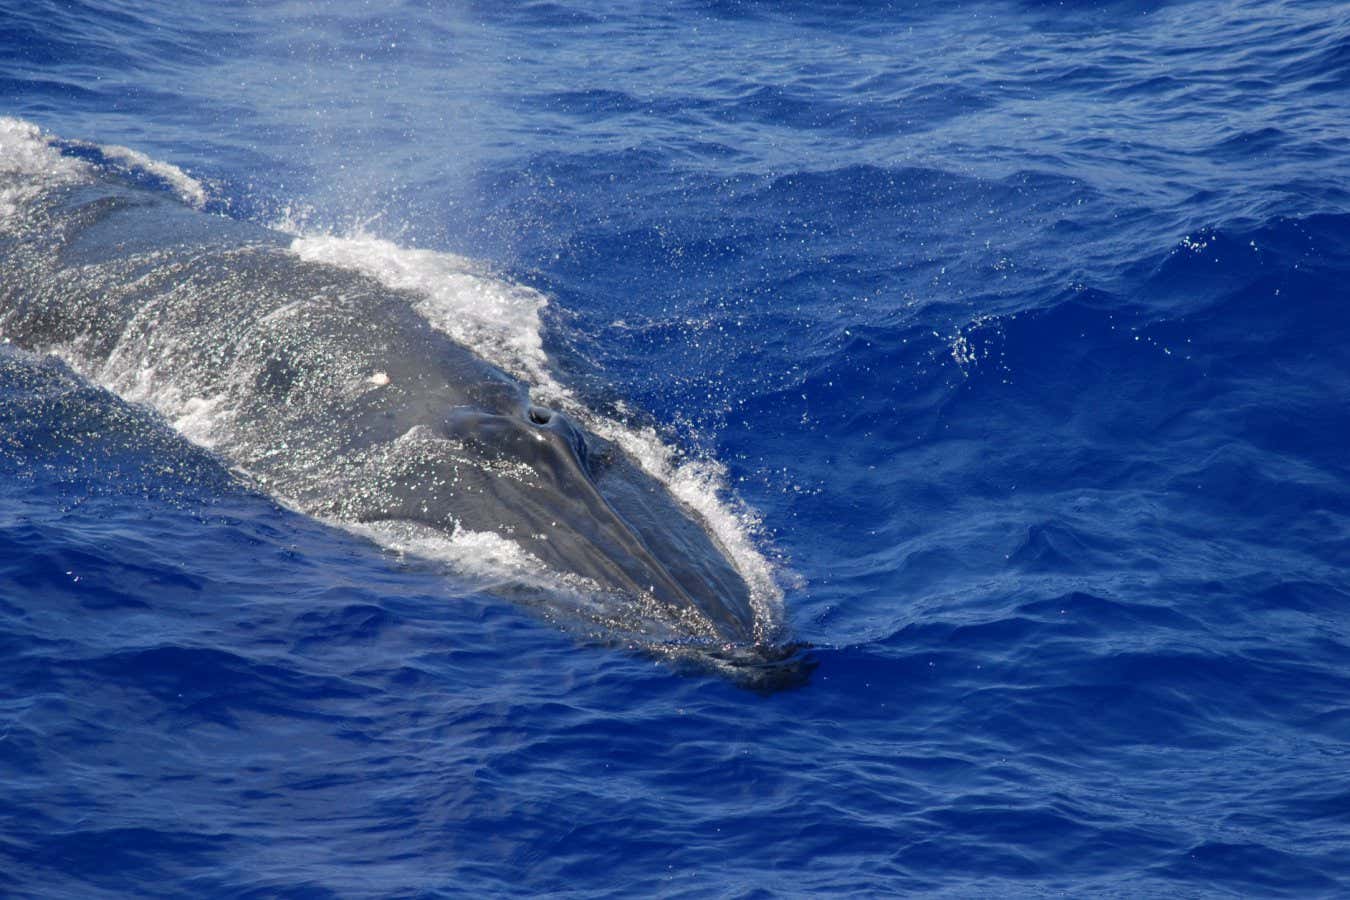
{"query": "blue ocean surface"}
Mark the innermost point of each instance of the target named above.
(1012, 338)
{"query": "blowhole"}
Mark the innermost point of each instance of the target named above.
(539, 415)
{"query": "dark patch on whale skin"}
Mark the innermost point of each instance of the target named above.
(276, 378)
(288, 349)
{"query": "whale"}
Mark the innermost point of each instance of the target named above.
(327, 389)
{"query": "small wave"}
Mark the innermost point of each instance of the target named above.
(189, 190)
(32, 161)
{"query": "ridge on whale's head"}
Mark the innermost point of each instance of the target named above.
(582, 507)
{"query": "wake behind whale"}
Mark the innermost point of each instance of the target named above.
(338, 394)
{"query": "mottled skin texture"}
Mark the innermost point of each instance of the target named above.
(170, 304)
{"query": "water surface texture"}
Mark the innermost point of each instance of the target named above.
(1004, 346)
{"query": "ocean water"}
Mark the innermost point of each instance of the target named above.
(1008, 342)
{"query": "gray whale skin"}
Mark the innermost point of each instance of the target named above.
(293, 358)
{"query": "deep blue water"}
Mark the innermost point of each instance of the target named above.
(1022, 327)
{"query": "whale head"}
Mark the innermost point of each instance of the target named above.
(582, 506)
(579, 504)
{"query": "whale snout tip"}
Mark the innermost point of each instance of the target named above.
(764, 667)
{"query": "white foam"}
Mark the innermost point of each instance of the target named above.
(189, 190)
(30, 162)
(293, 219)
(481, 555)
(487, 561)
(29, 165)
(497, 319)
(203, 420)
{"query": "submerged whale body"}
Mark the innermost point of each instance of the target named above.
(328, 389)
